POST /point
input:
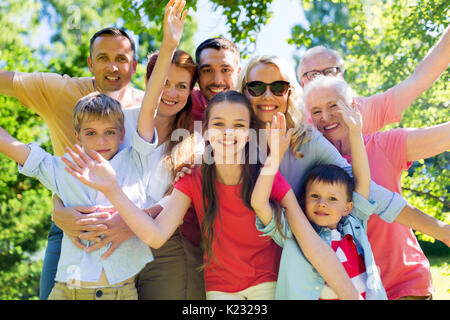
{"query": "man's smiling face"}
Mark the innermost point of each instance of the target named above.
(218, 71)
(112, 63)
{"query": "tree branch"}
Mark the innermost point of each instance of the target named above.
(428, 195)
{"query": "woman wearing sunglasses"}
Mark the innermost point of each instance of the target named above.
(271, 86)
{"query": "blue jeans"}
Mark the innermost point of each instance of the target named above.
(51, 259)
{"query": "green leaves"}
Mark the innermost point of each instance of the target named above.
(244, 18)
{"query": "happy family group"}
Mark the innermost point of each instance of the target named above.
(286, 190)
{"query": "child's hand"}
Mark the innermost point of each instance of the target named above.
(154, 211)
(278, 137)
(182, 172)
(350, 115)
(94, 172)
(174, 18)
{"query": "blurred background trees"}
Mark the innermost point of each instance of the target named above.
(382, 42)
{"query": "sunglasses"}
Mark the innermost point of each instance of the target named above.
(258, 88)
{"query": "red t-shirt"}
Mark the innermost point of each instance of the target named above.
(352, 261)
(242, 257)
(190, 228)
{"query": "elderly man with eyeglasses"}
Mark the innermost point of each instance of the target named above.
(404, 269)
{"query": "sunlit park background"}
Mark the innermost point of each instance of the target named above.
(382, 42)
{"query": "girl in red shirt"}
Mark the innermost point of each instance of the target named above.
(238, 262)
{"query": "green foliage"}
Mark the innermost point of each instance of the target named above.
(146, 19)
(21, 281)
(74, 22)
(382, 42)
(244, 18)
(25, 205)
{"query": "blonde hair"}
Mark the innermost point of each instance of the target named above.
(97, 105)
(295, 113)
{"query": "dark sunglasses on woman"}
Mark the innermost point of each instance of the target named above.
(257, 88)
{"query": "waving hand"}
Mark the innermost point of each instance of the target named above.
(174, 18)
(94, 172)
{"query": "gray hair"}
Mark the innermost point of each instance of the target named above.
(338, 84)
(319, 50)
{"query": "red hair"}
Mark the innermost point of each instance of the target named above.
(180, 58)
(183, 119)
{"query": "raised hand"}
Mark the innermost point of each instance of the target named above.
(350, 115)
(174, 18)
(278, 137)
(94, 172)
(182, 172)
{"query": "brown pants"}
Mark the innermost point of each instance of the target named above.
(62, 292)
(172, 275)
(416, 298)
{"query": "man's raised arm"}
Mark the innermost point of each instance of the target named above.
(428, 70)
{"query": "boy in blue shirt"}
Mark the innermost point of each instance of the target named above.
(338, 209)
(99, 128)
(328, 199)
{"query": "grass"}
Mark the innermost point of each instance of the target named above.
(439, 256)
(440, 273)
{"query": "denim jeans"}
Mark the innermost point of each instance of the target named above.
(51, 259)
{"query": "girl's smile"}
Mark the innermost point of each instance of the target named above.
(228, 129)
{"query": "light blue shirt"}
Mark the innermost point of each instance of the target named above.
(132, 165)
(299, 280)
(318, 151)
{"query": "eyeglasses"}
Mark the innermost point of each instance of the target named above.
(258, 88)
(332, 71)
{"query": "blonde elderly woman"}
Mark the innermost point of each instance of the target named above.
(271, 86)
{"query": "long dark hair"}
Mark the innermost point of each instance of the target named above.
(251, 168)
